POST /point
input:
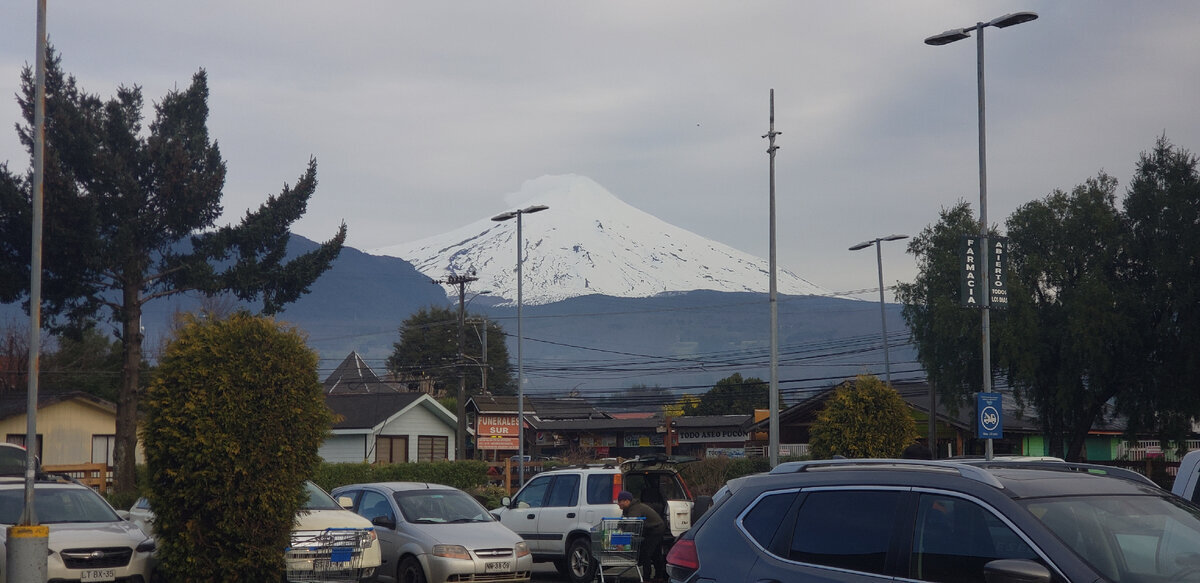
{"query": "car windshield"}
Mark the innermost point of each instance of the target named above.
(1132, 539)
(318, 499)
(56, 506)
(440, 507)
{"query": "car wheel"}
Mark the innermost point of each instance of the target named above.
(410, 571)
(581, 567)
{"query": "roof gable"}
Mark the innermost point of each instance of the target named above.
(354, 376)
(371, 410)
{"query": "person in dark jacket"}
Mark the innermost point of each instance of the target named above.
(653, 529)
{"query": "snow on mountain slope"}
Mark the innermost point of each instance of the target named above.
(588, 242)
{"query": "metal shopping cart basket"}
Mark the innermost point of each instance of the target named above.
(324, 556)
(615, 543)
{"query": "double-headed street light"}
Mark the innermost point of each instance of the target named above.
(520, 360)
(887, 362)
(946, 38)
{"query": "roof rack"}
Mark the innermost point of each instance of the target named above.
(967, 471)
(1063, 466)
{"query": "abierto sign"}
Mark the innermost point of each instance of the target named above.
(984, 268)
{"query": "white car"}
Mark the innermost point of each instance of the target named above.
(88, 541)
(327, 541)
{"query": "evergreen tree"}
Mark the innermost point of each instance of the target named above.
(130, 217)
(428, 349)
(734, 395)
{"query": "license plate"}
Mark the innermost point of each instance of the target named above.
(93, 575)
(497, 567)
(326, 564)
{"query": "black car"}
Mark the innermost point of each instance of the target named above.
(949, 522)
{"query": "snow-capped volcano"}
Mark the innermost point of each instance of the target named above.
(588, 242)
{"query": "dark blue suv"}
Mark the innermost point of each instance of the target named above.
(947, 522)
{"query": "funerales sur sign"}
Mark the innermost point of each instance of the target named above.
(984, 272)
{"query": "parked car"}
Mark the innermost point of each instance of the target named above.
(556, 510)
(433, 533)
(945, 521)
(89, 540)
(1187, 480)
(320, 521)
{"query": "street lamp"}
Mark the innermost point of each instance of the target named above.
(520, 360)
(946, 38)
(887, 362)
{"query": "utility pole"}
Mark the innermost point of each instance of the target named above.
(773, 422)
(460, 435)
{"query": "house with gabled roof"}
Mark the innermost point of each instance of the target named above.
(73, 427)
(380, 422)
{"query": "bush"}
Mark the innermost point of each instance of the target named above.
(863, 419)
(234, 420)
(464, 474)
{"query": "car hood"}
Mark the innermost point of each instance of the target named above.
(323, 519)
(94, 534)
(473, 535)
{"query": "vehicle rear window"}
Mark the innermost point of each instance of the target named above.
(763, 520)
(846, 529)
(600, 489)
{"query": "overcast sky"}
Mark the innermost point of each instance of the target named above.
(424, 115)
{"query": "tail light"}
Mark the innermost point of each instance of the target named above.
(682, 561)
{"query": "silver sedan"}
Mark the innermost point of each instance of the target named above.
(432, 533)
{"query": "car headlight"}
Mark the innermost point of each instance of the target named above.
(372, 536)
(146, 546)
(522, 549)
(451, 552)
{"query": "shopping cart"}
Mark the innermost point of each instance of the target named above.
(615, 543)
(325, 556)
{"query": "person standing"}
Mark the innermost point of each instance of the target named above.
(653, 529)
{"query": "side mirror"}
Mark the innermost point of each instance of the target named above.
(1015, 571)
(384, 522)
(506, 502)
(345, 502)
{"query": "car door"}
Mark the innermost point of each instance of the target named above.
(521, 516)
(561, 513)
(377, 507)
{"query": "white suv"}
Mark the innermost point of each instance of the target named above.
(556, 510)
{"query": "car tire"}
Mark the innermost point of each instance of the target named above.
(581, 565)
(410, 571)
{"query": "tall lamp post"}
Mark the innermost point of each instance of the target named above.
(520, 359)
(948, 37)
(887, 361)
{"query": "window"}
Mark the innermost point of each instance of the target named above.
(954, 538)
(432, 448)
(600, 489)
(534, 494)
(391, 449)
(764, 518)
(374, 505)
(564, 491)
(102, 449)
(19, 439)
(846, 529)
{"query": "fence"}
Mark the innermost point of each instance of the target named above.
(1149, 449)
(785, 450)
(93, 475)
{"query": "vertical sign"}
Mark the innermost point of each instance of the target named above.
(991, 422)
(997, 272)
(973, 278)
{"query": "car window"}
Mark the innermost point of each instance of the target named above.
(441, 507)
(600, 489)
(763, 519)
(953, 538)
(847, 529)
(564, 491)
(534, 493)
(374, 505)
(318, 499)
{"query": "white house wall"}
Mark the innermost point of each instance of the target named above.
(345, 448)
(419, 421)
